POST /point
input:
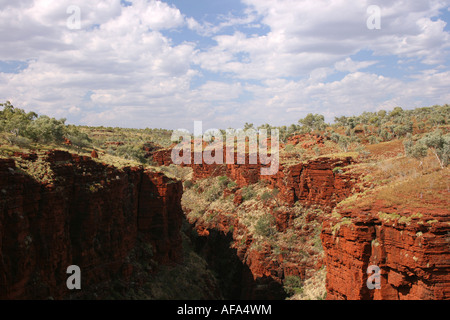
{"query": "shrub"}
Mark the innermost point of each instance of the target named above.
(293, 285)
(436, 141)
(265, 226)
(266, 196)
(335, 137)
(45, 129)
(19, 141)
(231, 184)
(337, 170)
(373, 140)
(188, 184)
(132, 152)
(248, 193)
(223, 181)
(344, 143)
(313, 122)
(77, 138)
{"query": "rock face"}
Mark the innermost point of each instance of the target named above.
(321, 182)
(89, 214)
(411, 250)
(316, 182)
(162, 157)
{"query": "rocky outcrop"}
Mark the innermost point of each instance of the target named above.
(321, 181)
(162, 157)
(411, 250)
(63, 209)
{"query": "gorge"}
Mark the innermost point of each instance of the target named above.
(122, 226)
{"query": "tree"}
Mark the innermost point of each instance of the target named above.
(417, 151)
(46, 129)
(313, 122)
(437, 142)
(335, 137)
(396, 112)
(248, 126)
(375, 120)
(382, 113)
(292, 129)
(386, 135)
(77, 138)
(341, 121)
(344, 143)
(15, 120)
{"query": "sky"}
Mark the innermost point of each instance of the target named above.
(166, 64)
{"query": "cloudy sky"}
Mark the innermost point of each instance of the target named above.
(165, 64)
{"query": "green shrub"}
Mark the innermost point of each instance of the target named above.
(231, 184)
(337, 170)
(213, 193)
(188, 184)
(373, 140)
(266, 196)
(436, 141)
(248, 193)
(19, 141)
(77, 138)
(223, 181)
(265, 226)
(293, 285)
(132, 152)
(45, 129)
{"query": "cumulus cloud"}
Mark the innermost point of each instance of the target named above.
(306, 35)
(139, 65)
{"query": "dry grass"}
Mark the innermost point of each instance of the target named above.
(387, 149)
(402, 182)
(430, 191)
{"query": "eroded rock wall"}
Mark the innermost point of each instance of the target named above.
(88, 214)
(413, 255)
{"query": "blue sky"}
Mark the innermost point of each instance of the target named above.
(148, 63)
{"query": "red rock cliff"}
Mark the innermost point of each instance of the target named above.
(411, 249)
(312, 183)
(80, 212)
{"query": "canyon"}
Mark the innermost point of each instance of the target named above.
(80, 211)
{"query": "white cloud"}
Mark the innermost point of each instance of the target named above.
(352, 66)
(306, 35)
(122, 68)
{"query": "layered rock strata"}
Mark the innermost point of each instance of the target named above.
(63, 209)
